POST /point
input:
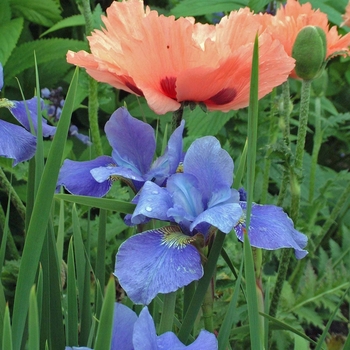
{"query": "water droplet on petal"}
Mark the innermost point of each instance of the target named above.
(148, 209)
(155, 192)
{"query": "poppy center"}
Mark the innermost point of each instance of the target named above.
(168, 85)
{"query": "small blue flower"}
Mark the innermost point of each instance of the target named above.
(16, 142)
(200, 198)
(133, 143)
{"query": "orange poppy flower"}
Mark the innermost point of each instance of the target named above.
(346, 16)
(171, 61)
(293, 17)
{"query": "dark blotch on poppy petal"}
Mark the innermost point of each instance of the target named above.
(168, 85)
(223, 96)
(134, 88)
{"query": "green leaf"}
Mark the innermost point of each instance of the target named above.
(6, 332)
(37, 227)
(73, 21)
(199, 123)
(104, 331)
(33, 322)
(5, 11)
(46, 50)
(257, 5)
(102, 203)
(204, 7)
(43, 12)
(8, 42)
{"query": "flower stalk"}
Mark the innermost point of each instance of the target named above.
(168, 312)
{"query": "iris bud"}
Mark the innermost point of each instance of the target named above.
(309, 52)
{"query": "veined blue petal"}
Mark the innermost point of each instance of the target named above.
(205, 341)
(104, 173)
(123, 326)
(77, 179)
(210, 164)
(184, 190)
(132, 140)
(153, 202)
(168, 163)
(19, 111)
(157, 261)
(145, 336)
(16, 142)
(271, 228)
(223, 216)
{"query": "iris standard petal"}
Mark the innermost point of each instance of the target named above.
(16, 142)
(184, 189)
(168, 163)
(153, 202)
(271, 228)
(145, 336)
(223, 216)
(157, 261)
(210, 164)
(19, 111)
(205, 341)
(123, 326)
(77, 179)
(132, 140)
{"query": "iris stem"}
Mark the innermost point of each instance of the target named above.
(207, 307)
(93, 85)
(9, 190)
(168, 313)
(202, 287)
(187, 297)
(316, 149)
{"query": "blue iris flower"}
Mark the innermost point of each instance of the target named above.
(197, 199)
(133, 143)
(132, 332)
(17, 142)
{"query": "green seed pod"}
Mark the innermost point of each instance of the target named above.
(309, 52)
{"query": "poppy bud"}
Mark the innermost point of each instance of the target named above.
(309, 52)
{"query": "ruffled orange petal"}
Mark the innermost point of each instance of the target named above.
(293, 17)
(170, 61)
(346, 16)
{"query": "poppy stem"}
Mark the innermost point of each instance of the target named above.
(93, 101)
(295, 178)
(177, 117)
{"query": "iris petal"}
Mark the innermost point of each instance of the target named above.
(224, 217)
(153, 202)
(271, 228)
(148, 264)
(132, 140)
(123, 326)
(19, 111)
(16, 142)
(212, 165)
(77, 179)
